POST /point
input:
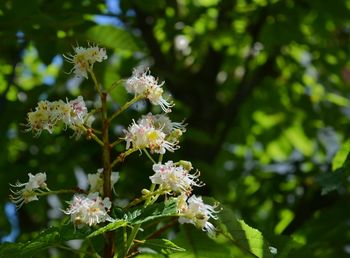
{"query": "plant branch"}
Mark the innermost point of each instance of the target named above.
(125, 106)
(97, 85)
(116, 142)
(149, 156)
(90, 134)
(122, 156)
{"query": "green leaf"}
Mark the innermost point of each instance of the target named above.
(198, 244)
(112, 37)
(331, 181)
(164, 246)
(152, 212)
(111, 226)
(11, 249)
(150, 255)
(326, 234)
(245, 237)
(47, 238)
(340, 156)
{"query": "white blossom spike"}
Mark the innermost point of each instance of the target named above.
(142, 82)
(89, 210)
(35, 185)
(48, 114)
(84, 59)
(196, 212)
(175, 178)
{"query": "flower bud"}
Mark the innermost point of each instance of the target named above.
(145, 192)
(185, 164)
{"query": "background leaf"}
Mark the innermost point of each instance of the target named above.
(112, 37)
(242, 235)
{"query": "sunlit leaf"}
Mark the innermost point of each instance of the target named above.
(340, 156)
(198, 244)
(49, 237)
(112, 37)
(111, 226)
(242, 235)
(155, 211)
(164, 246)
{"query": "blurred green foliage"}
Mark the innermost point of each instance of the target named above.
(264, 86)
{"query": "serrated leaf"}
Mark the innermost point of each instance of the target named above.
(112, 37)
(111, 226)
(163, 246)
(198, 244)
(45, 239)
(154, 211)
(242, 235)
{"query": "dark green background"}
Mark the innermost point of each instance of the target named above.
(264, 86)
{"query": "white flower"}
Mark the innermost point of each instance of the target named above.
(163, 122)
(36, 181)
(142, 82)
(139, 82)
(144, 135)
(155, 96)
(79, 110)
(39, 121)
(196, 212)
(96, 181)
(30, 189)
(175, 178)
(89, 210)
(48, 114)
(84, 59)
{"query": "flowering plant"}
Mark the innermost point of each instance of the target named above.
(93, 212)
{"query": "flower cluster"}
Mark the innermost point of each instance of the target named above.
(89, 209)
(35, 185)
(84, 59)
(196, 212)
(48, 114)
(96, 181)
(157, 133)
(154, 132)
(174, 177)
(143, 83)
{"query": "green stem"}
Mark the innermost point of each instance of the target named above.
(131, 238)
(149, 156)
(89, 132)
(160, 158)
(93, 136)
(114, 85)
(122, 156)
(97, 86)
(136, 229)
(151, 189)
(148, 197)
(125, 106)
(116, 142)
